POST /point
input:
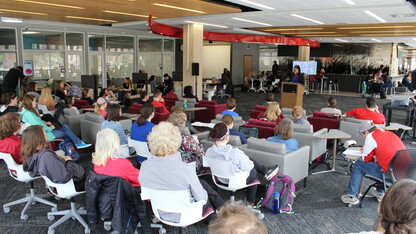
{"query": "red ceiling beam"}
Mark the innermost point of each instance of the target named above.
(170, 31)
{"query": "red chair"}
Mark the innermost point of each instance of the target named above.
(160, 115)
(321, 120)
(80, 104)
(266, 128)
(135, 108)
(170, 101)
(257, 110)
(213, 108)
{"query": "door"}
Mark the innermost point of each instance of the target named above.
(248, 65)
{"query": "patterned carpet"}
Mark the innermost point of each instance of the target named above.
(318, 208)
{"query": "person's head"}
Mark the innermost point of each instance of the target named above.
(270, 97)
(273, 111)
(69, 101)
(188, 90)
(297, 112)
(9, 124)
(144, 96)
(113, 113)
(381, 66)
(178, 119)
(231, 104)
(397, 209)
(33, 140)
(228, 120)
(366, 127)
(103, 92)
(322, 70)
(129, 82)
(332, 102)
(46, 92)
(67, 86)
(274, 62)
(284, 129)
(225, 70)
(164, 139)
(176, 109)
(9, 99)
(20, 68)
(29, 103)
(32, 87)
(409, 76)
(296, 69)
(147, 112)
(157, 95)
(236, 219)
(166, 76)
(101, 104)
(370, 102)
(59, 85)
(106, 145)
(86, 93)
(220, 133)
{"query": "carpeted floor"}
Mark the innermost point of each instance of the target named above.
(318, 208)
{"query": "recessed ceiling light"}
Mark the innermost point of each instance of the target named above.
(349, 2)
(50, 4)
(291, 29)
(86, 18)
(337, 39)
(29, 32)
(251, 21)
(318, 35)
(375, 40)
(213, 25)
(11, 20)
(23, 12)
(403, 15)
(125, 13)
(307, 32)
(306, 18)
(371, 27)
(394, 31)
(374, 16)
(179, 8)
(257, 4)
(414, 38)
(387, 34)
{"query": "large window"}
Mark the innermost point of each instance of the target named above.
(41, 40)
(46, 64)
(267, 56)
(156, 56)
(120, 56)
(8, 57)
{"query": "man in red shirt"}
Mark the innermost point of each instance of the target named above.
(380, 146)
(158, 101)
(370, 112)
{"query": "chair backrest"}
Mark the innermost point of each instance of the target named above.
(23, 127)
(221, 169)
(178, 203)
(15, 170)
(403, 165)
(141, 148)
(66, 190)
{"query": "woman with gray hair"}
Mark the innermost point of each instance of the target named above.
(167, 171)
(191, 150)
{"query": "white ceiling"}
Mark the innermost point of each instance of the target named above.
(330, 12)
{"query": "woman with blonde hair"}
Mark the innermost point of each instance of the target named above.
(107, 161)
(284, 134)
(100, 107)
(167, 172)
(273, 113)
(47, 99)
(191, 150)
(297, 113)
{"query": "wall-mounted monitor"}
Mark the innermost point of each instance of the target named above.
(307, 67)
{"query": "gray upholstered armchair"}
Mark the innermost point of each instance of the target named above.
(305, 136)
(238, 121)
(350, 125)
(73, 120)
(269, 154)
(207, 142)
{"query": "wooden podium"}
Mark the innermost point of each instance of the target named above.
(291, 95)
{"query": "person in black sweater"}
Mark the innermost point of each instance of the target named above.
(12, 79)
(10, 103)
(188, 92)
(59, 89)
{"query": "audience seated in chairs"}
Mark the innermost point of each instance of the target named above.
(10, 103)
(297, 116)
(273, 113)
(112, 121)
(47, 99)
(107, 161)
(371, 112)
(229, 121)
(331, 108)
(237, 219)
(379, 148)
(10, 126)
(191, 150)
(107, 94)
(86, 95)
(168, 172)
(158, 101)
(231, 105)
(100, 107)
(284, 134)
(241, 162)
(69, 102)
(143, 126)
(38, 159)
(31, 116)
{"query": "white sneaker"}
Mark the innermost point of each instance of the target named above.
(271, 172)
(350, 200)
(376, 194)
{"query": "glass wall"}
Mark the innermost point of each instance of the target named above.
(119, 56)
(8, 51)
(156, 56)
(267, 56)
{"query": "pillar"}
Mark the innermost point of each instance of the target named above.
(394, 62)
(304, 53)
(192, 53)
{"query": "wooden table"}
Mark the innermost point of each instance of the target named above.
(189, 110)
(334, 134)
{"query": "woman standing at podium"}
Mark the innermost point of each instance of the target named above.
(297, 76)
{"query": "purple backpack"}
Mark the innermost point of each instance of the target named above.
(284, 185)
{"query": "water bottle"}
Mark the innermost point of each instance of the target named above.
(185, 104)
(276, 204)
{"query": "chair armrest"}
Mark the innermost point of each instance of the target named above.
(126, 123)
(201, 135)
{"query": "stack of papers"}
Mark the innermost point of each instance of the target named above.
(353, 152)
(206, 125)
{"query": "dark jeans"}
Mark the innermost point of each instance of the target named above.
(252, 190)
(65, 132)
(215, 201)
